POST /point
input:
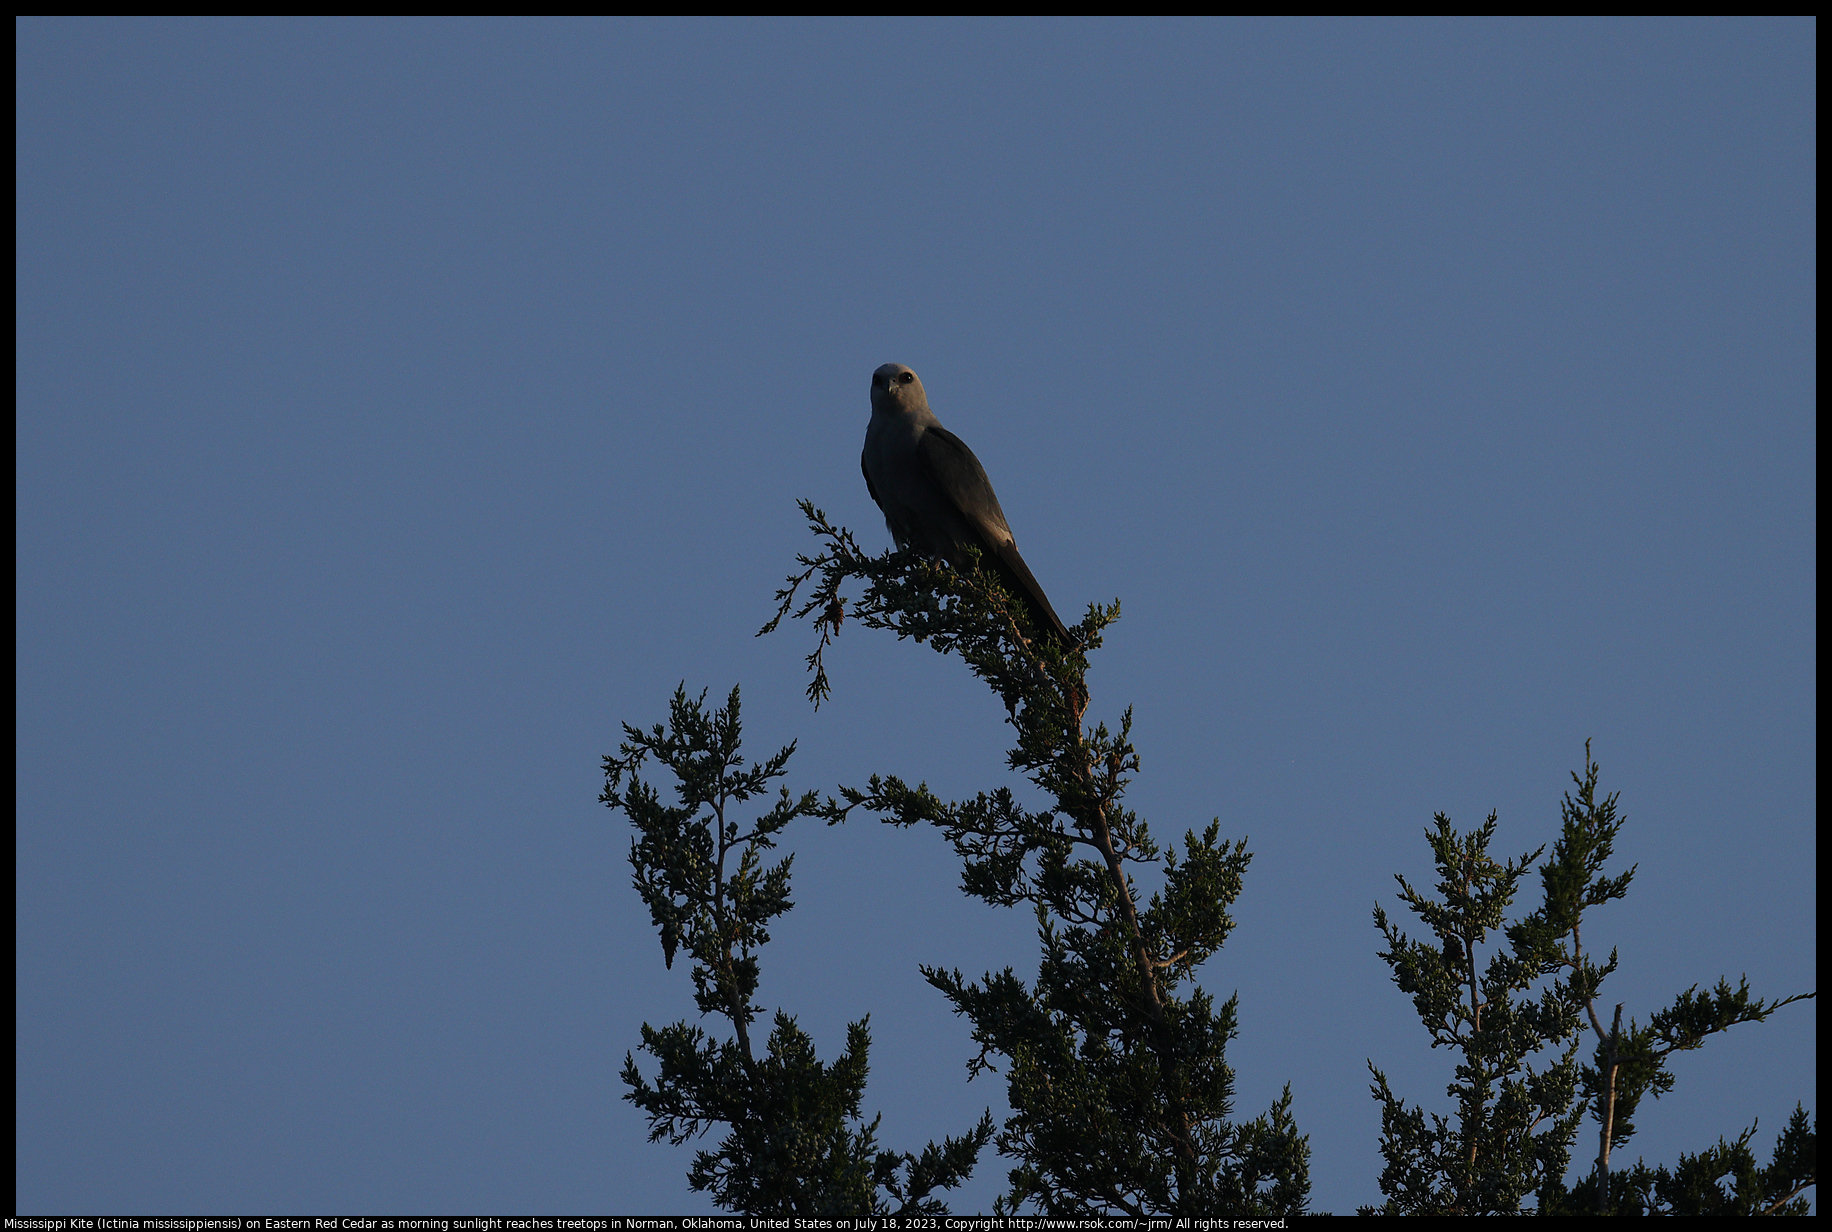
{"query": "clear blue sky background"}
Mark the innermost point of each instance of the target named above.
(403, 405)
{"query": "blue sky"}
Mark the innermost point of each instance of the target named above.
(404, 405)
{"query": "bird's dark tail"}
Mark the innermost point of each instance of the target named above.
(1018, 576)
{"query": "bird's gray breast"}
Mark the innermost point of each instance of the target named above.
(918, 514)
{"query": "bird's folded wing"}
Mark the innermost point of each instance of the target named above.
(959, 477)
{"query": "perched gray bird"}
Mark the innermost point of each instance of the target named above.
(934, 492)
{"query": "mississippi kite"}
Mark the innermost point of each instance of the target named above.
(934, 493)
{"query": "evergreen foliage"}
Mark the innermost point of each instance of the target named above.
(1696, 1186)
(1517, 1023)
(1515, 1123)
(795, 1141)
(1120, 1093)
(1122, 1102)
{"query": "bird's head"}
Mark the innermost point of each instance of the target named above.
(895, 389)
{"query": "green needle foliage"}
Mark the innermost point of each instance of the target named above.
(796, 1143)
(1697, 1185)
(1120, 1093)
(1515, 1123)
(1517, 1022)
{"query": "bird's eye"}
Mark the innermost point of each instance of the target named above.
(905, 377)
